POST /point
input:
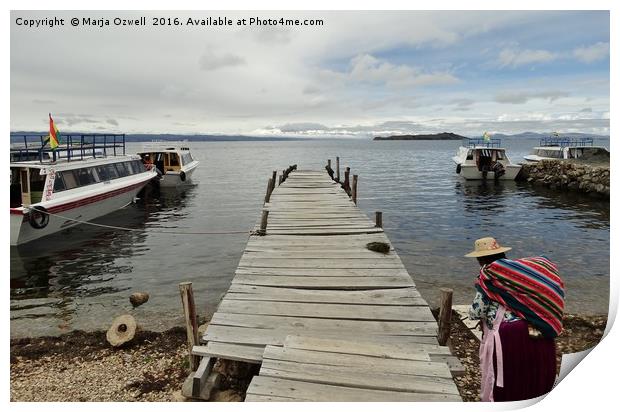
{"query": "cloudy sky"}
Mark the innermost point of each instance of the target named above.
(359, 74)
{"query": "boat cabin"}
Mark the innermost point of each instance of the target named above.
(167, 159)
(38, 173)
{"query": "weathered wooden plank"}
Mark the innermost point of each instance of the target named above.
(386, 350)
(266, 386)
(401, 328)
(418, 367)
(325, 272)
(398, 297)
(328, 310)
(356, 377)
(277, 335)
(260, 262)
(232, 351)
(325, 282)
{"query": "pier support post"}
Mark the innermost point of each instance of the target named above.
(445, 316)
(263, 223)
(345, 185)
(337, 169)
(191, 321)
(269, 189)
(354, 189)
(329, 163)
(274, 176)
(379, 219)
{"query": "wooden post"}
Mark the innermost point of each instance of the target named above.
(354, 189)
(269, 189)
(337, 168)
(345, 185)
(280, 179)
(191, 321)
(263, 223)
(378, 219)
(329, 163)
(445, 316)
(274, 175)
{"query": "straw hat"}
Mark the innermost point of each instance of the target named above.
(487, 246)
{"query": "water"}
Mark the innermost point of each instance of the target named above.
(81, 278)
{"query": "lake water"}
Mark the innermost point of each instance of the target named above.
(81, 278)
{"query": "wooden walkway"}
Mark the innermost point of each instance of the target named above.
(328, 319)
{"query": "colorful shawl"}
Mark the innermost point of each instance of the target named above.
(529, 287)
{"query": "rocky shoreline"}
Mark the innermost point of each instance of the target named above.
(589, 178)
(82, 366)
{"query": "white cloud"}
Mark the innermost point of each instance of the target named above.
(592, 53)
(520, 97)
(366, 68)
(516, 58)
(211, 60)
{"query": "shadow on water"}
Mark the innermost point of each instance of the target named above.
(86, 261)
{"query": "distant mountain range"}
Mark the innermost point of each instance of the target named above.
(436, 136)
(454, 136)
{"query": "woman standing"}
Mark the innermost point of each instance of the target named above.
(520, 304)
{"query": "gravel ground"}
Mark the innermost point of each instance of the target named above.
(82, 366)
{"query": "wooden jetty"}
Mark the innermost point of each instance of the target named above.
(327, 318)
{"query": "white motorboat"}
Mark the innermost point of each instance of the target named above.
(484, 159)
(88, 177)
(565, 148)
(172, 161)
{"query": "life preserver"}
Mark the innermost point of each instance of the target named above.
(458, 169)
(182, 176)
(38, 217)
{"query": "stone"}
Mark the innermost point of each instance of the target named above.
(138, 298)
(122, 330)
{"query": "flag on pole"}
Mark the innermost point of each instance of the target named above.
(54, 134)
(486, 136)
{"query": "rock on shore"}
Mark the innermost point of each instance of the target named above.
(563, 175)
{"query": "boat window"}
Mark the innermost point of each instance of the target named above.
(122, 170)
(85, 176)
(103, 173)
(112, 173)
(174, 159)
(37, 185)
(138, 167)
(129, 166)
(59, 184)
(16, 192)
(68, 176)
(470, 155)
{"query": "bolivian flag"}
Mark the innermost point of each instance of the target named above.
(54, 136)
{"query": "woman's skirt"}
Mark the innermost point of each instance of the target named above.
(529, 363)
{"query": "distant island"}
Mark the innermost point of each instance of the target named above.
(436, 136)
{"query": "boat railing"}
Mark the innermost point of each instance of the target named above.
(480, 142)
(70, 147)
(566, 141)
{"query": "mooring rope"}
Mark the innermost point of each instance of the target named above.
(127, 229)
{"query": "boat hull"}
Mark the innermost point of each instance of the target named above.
(23, 232)
(472, 173)
(173, 179)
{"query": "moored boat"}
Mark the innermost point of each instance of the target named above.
(484, 159)
(172, 161)
(87, 177)
(565, 148)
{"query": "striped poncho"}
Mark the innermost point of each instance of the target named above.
(529, 287)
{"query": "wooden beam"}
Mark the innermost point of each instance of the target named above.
(445, 316)
(191, 321)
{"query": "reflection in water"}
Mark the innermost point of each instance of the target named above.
(81, 278)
